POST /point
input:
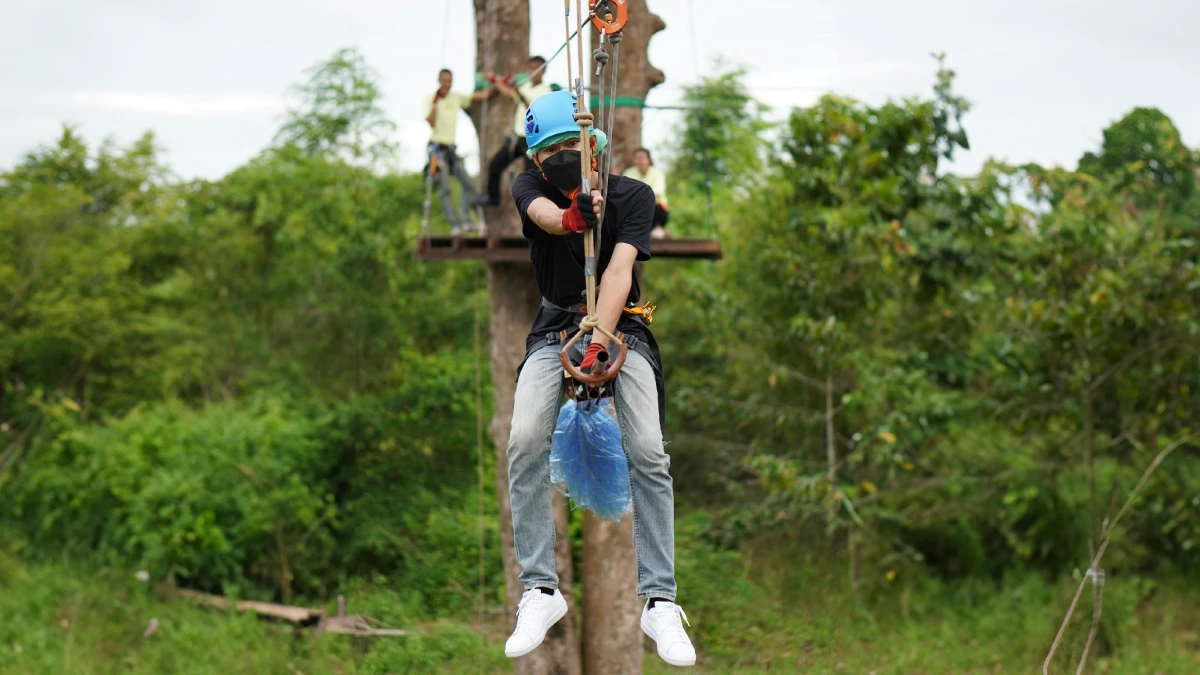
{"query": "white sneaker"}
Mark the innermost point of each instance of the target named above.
(536, 613)
(663, 625)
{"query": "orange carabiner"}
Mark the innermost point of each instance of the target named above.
(609, 16)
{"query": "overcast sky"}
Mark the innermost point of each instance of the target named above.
(209, 78)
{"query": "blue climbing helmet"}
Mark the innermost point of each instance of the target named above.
(550, 119)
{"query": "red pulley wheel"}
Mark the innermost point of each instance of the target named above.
(609, 16)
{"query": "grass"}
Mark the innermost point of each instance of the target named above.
(765, 610)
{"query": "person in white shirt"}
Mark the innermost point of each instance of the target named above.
(643, 169)
(514, 141)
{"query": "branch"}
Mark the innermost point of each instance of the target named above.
(1124, 363)
(1094, 573)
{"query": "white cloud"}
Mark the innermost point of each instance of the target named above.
(188, 105)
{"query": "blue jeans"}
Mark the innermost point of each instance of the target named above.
(451, 165)
(539, 395)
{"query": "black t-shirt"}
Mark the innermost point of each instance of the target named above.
(558, 259)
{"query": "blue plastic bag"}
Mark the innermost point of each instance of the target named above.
(588, 460)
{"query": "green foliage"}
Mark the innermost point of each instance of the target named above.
(262, 493)
(311, 371)
(718, 155)
(1144, 155)
(339, 112)
(249, 384)
(985, 374)
(73, 320)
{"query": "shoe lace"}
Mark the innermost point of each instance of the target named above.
(671, 621)
(529, 601)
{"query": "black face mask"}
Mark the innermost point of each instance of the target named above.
(562, 169)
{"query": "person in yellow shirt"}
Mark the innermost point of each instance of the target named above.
(442, 115)
(643, 169)
(514, 141)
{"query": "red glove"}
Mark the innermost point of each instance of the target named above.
(581, 215)
(589, 357)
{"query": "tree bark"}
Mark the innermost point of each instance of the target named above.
(506, 24)
(513, 301)
(612, 641)
(612, 634)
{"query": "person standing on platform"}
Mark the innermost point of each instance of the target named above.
(441, 112)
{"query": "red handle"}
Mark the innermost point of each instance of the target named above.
(595, 379)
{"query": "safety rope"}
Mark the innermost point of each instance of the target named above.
(560, 50)
(615, 40)
(586, 119)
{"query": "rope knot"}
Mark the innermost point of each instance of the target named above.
(584, 119)
(614, 38)
(600, 56)
(588, 323)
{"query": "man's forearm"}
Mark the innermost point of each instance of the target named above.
(547, 216)
(610, 300)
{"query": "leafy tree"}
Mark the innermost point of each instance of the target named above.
(339, 112)
(1144, 155)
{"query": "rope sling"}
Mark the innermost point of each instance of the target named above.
(609, 18)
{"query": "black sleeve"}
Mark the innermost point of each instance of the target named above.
(526, 188)
(637, 219)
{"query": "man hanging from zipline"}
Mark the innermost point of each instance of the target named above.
(441, 112)
(558, 218)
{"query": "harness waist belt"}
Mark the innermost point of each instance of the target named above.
(646, 311)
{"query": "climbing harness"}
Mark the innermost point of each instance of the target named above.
(646, 311)
(609, 18)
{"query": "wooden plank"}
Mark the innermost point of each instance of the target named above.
(285, 612)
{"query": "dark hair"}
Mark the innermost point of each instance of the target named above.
(647, 154)
(539, 59)
(444, 71)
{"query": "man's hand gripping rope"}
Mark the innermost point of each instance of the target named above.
(584, 216)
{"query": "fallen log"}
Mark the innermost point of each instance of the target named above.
(285, 612)
(353, 624)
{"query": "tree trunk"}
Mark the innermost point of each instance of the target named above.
(612, 634)
(612, 643)
(514, 299)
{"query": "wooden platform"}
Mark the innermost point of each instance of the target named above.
(516, 249)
